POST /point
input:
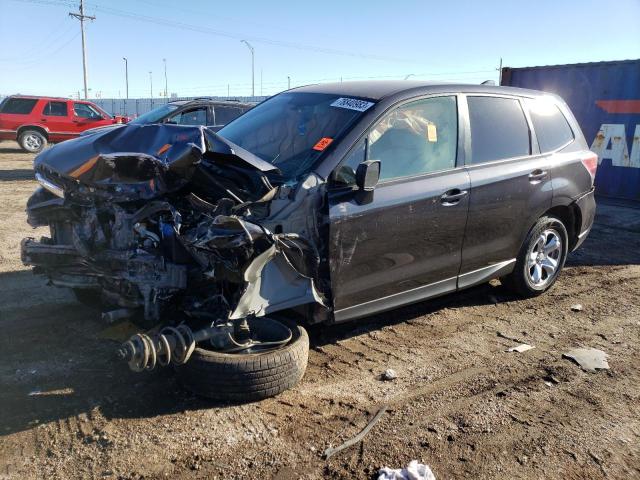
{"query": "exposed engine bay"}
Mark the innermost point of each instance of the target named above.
(180, 228)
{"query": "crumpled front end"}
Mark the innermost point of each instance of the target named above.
(169, 222)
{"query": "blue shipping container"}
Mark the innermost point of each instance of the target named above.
(605, 98)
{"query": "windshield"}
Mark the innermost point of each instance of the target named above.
(291, 130)
(156, 114)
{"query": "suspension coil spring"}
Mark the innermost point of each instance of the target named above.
(172, 344)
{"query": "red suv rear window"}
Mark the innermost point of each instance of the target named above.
(21, 106)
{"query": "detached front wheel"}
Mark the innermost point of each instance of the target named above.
(540, 259)
(252, 374)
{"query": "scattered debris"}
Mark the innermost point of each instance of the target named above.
(414, 471)
(509, 337)
(589, 359)
(389, 374)
(577, 307)
(329, 452)
(523, 347)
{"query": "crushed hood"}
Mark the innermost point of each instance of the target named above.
(142, 161)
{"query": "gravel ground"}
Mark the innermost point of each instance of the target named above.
(460, 402)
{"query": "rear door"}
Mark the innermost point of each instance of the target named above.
(402, 242)
(56, 117)
(510, 185)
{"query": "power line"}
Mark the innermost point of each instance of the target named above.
(215, 32)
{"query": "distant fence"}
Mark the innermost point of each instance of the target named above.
(137, 106)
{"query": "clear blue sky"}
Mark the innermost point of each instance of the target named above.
(309, 41)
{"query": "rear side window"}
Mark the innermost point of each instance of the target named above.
(499, 129)
(197, 116)
(551, 126)
(55, 109)
(21, 106)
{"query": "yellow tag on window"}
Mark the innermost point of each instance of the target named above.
(432, 133)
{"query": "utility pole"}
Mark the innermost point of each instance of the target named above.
(261, 82)
(500, 72)
(165, 77)
(151, 81)
(126, 76)
(81, 16)
(288, 82)
(253, 83)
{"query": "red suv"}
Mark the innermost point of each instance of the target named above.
(36, 121)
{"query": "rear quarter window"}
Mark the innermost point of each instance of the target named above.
(499, 129)
(19, 106)
(552, 128)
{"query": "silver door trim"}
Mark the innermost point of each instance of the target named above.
(396, 300)
(483, 274)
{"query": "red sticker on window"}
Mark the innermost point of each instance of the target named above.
(323, 143)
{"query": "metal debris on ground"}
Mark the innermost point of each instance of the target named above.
(413, 471)
(389, 374)
(329, 452)
(523, 347)
(589, 359)
(577, 307)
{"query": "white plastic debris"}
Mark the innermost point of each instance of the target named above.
(589, 359)
(414, 471)
(523, 347)
(389, 374)
(577, 307)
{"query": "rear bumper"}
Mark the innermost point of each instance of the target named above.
(587, 205)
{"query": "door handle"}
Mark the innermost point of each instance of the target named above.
(537, 175)
(452, 197)
(43, 119)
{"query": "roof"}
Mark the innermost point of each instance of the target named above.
(38, 97)
(379, 89)
(209, 102)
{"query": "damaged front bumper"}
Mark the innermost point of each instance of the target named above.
(175, 232)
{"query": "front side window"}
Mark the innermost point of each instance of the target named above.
(196, 116)
(551, 126)
(225, 114)
(293, 130)
(18, 106)
(499, 129)
(55, 109)
(416, 138)
(83, 110)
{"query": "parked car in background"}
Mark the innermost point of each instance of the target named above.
(214, 114)
(328, 202)
(36, 121)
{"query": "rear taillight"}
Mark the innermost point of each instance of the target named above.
(590, 162)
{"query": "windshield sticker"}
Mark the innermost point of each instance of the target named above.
(323, 143)
(432, 133)
(352, 104)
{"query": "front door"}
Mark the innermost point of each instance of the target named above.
(402, 242)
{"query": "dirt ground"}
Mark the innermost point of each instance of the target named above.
(461, 403)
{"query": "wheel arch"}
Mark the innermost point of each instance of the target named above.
(38, 128)
(571, 218)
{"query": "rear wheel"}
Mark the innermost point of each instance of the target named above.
(540, 259)
(250, 374)
(32, 141)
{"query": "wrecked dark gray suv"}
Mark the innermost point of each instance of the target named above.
(324, 203)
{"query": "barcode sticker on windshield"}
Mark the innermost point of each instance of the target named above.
(352, 104)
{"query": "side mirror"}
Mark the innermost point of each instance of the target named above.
(367, 175)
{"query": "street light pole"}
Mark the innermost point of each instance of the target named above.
(253, 89)
(288, 82)
(165, 77)
(126, 76)
(151, 81)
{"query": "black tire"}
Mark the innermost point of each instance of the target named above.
(89, 297)
(520, 280)
(238, 377)
(32, 141)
